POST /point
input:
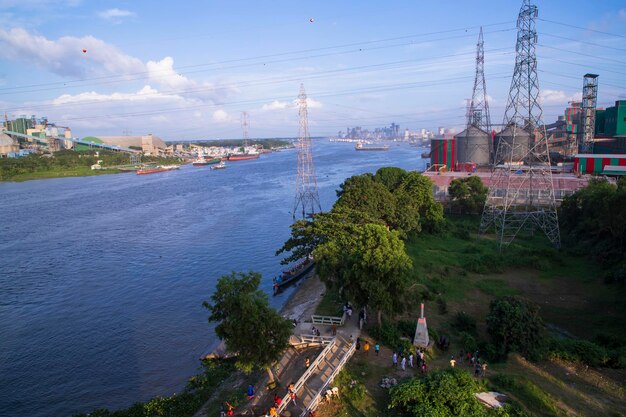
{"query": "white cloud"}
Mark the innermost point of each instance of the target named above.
(115, 14)
(310, 103)
(275, 105)
(558, 97)
(144, 94)
(220, 116)
(65, 56)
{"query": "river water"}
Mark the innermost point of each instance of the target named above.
(102, 278)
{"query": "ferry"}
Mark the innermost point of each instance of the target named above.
(293, 274)
(361, 147)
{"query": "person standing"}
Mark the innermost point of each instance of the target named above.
(452, 362)
(377, 349)
(403, 363)
(411, 360)
(366, 347)
(307, 362)
(394, 358)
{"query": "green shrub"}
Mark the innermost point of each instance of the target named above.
(442, 305)
(388, 334)
(578, 351)
(463, 322)
(468, 342)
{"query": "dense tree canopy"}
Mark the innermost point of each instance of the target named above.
(252, 330)
(468, 195)
(358, 246)
(514, 324)
(595, 219)
(369, 264)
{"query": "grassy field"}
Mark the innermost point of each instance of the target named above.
(461, 273)
(62, 173)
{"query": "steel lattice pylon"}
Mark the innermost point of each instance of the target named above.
(244, 126)
(521, 192)
(590, 100)
(478, 114)
(306, 184)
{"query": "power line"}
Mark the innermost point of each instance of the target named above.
(583, 42)
(62, 84)
(581, 28)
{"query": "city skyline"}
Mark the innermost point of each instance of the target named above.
(187, 71)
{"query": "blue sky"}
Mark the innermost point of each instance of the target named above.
(186, 70)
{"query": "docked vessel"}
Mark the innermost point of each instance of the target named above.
(155, 169)
(293, 274)
(361, 147)
(243, 156)
(203, 160)
(221, 165)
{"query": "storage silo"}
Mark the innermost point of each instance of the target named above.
(443, 152)
(517, 144)
(473, 145)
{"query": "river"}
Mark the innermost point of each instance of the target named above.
(102, 278)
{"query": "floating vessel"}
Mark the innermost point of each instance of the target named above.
(243, 156)
(425, 155)
(202, 160)
(361, 147)
(221, 165)
(293, 274)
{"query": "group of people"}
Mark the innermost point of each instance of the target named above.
(404, 360)
(473, 361)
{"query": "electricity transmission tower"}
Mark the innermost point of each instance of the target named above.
(479, 107)
(590, 100)
(307, 198)
(521, 192)
(244, 126)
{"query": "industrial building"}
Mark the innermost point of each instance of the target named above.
(8, 146)
(148, 144)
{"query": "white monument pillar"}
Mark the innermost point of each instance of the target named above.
(421, 331)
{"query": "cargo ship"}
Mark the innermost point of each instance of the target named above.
(360, 147)
(293, 274)
(203, 160)
(243, 156)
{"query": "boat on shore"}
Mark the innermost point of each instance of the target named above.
(155, 169)
(361, 147)
(293, 274)
(221, 165)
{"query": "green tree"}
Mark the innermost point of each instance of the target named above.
(468, 195)
(446, 393)
(416, 208)
(390, 177)
(369, 264)
(514, 324)
(361, 193)
(252, 330)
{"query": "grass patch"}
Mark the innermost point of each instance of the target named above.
(534, 398)
(69, 172)
(495, 287)
(331, 304)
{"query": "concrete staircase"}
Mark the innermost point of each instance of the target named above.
(314, 383)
